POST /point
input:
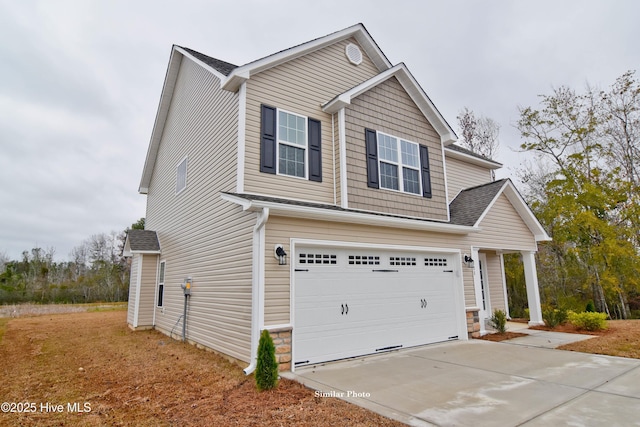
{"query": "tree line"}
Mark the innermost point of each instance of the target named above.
(584, 187)
(96, 272)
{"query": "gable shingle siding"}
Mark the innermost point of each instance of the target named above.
(388, 108)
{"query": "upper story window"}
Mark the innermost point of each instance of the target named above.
(181, 176)
(396, 164)
(290, 144)
(399, 164)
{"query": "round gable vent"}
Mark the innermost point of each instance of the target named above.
(354, 54)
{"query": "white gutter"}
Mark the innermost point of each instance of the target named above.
(257, 286)
(352, 217)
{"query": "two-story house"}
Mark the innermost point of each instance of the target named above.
(318, 193)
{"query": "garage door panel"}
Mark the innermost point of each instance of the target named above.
(345, 310)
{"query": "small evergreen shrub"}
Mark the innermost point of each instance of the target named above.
(553, 317)
(266, 373)
(499, 321)
(589, 321)
(590, 308)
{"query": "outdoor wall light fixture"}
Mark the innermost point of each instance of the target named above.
(281, 255)
(468, 260)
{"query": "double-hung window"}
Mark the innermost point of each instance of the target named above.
(292, 144)
(399, 164)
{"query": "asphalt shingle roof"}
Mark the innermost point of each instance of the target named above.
(219, 65)
(471, 203)
(143, 240)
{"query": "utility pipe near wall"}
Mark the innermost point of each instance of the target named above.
(257, 286)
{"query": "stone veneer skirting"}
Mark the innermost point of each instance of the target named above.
(282, 341)
(473, 323)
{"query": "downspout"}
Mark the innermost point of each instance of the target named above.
(343, 159)
(333, 151)
(257, 286)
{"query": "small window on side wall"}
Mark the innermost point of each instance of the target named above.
(161, 284)
(181, 176)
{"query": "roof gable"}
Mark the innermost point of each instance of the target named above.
(241, 74)
(472, 204)
(413, 89)
(141, 241)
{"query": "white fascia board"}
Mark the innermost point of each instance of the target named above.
(320, 214)
(490, 164)
(244, 203)
(161, 116)
(243, 73)
(413, 89)
(345, 98)
(147, 252)
(422, 100)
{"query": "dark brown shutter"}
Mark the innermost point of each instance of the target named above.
(426, 174)
(315, 151)
(268, 144)
(371, 143)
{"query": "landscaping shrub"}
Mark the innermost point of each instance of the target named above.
(589, 321)
(553, 317)
(590, 308)
(499, 321)
(267, 367)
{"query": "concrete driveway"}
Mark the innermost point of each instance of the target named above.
(480, 383)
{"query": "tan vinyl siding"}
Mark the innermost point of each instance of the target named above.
(280, 230)
(502, 228)
(133, 289)
(461, 174)
(300, 86)
(388, 108)
(200, 235)
(148, 282)
(494, 276)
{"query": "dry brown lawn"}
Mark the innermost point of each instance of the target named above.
(142, 379)
(621, 338)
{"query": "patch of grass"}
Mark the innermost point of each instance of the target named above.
(3, 326)
(145, 378)
(114, 306)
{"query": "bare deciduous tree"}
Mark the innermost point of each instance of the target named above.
(479, 134)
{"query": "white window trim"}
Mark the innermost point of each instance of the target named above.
(306, 144)
(161, 283)
(184, 160)
(399, 164)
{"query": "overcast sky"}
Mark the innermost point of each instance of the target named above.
(80, 82)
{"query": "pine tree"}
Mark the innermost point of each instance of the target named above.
(267, 367)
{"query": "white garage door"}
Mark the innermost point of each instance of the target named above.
(352, 302)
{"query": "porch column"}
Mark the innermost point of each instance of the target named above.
(533, 291)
